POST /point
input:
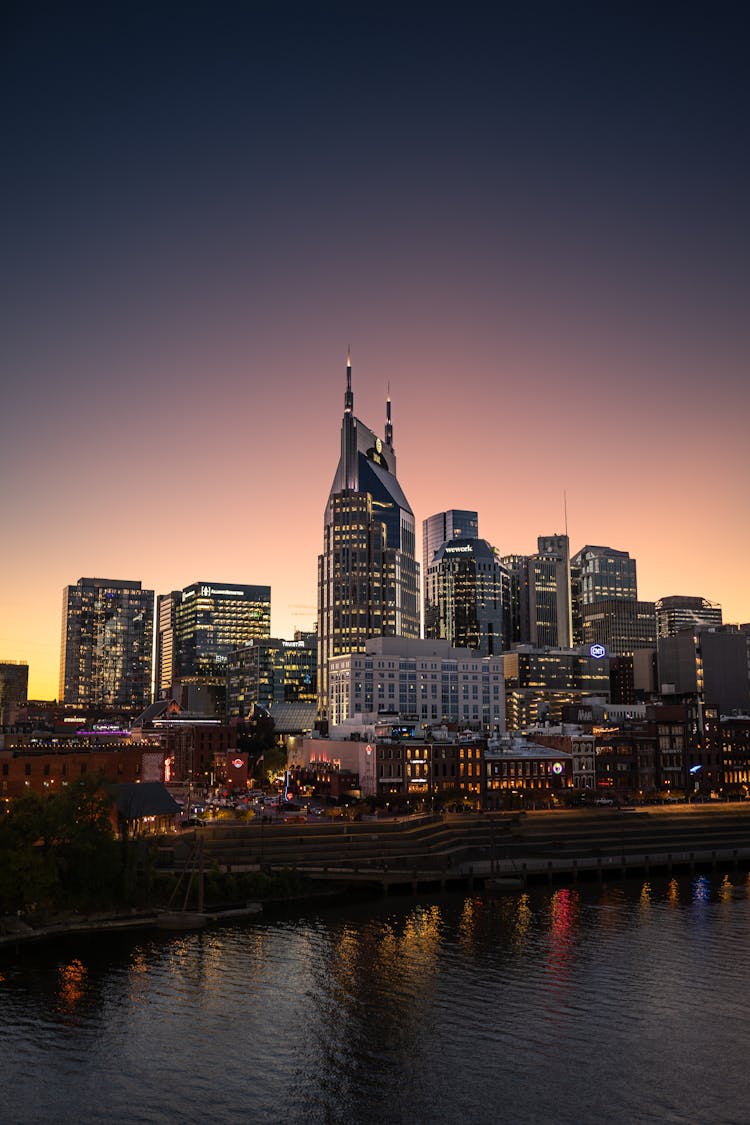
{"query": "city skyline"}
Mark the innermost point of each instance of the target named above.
(532, 233)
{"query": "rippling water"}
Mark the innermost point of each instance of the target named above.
(621, 1004)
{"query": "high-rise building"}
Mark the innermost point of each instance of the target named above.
(678, 612)
(620, 625)
(368, 576)
(268, 672)
(199, 627)
(557, 548)
(605, 573)
(539, 682)
(467, 597)
(438, 529)
(107, 636)
(710, 663)
(540, 599)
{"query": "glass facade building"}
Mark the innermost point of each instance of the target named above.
(621, 625)
(467, 597)
(368, 576)
(107, 637)
(200, 626)
(603, 572)
(440, 528)
(268, 672)
(540, 682)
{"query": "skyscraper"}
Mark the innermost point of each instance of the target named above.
(621, 625)
(605, 573)
(540, 600)
(199, 626)
(107, 635)
(467, 598)
(438, 529)
(368, 576)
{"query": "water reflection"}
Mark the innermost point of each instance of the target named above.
(443, 1010)
(72, 987)
(645, 899)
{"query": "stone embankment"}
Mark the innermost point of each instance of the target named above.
(467, 848)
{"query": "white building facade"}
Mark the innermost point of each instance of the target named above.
(424, 681)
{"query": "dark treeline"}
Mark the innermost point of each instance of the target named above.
(61, 852)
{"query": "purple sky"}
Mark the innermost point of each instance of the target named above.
(533, 227)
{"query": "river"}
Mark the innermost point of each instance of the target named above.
(619, 1004)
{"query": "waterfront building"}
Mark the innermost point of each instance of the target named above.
(467, 597)
(620, 625)
(107, 638)
(603, 572)
(273, 671)
(539, 682)
(734, 735)
(425, 681)
(368, 576)
(198, 628)
(514, 767)
(678, 612)
(14, 687)
(576, 742)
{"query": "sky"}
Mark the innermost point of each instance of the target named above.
(530, 225)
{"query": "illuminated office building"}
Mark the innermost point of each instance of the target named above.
(272, 671)
(368, 576)
(467, 593)
(199, 627)
(107, 637)
(539, 682)
(621, 625)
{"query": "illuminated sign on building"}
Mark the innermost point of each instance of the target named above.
(597, 651)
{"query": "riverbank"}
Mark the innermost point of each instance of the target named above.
(319, 865)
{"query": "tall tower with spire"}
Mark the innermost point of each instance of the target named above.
(368, 576)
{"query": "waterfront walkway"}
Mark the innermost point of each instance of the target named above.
(443, 851)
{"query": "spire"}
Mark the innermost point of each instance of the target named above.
(349, 396)
(388, 425)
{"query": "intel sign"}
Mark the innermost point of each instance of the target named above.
(597, 651)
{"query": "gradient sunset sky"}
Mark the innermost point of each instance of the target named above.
(532, 224)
